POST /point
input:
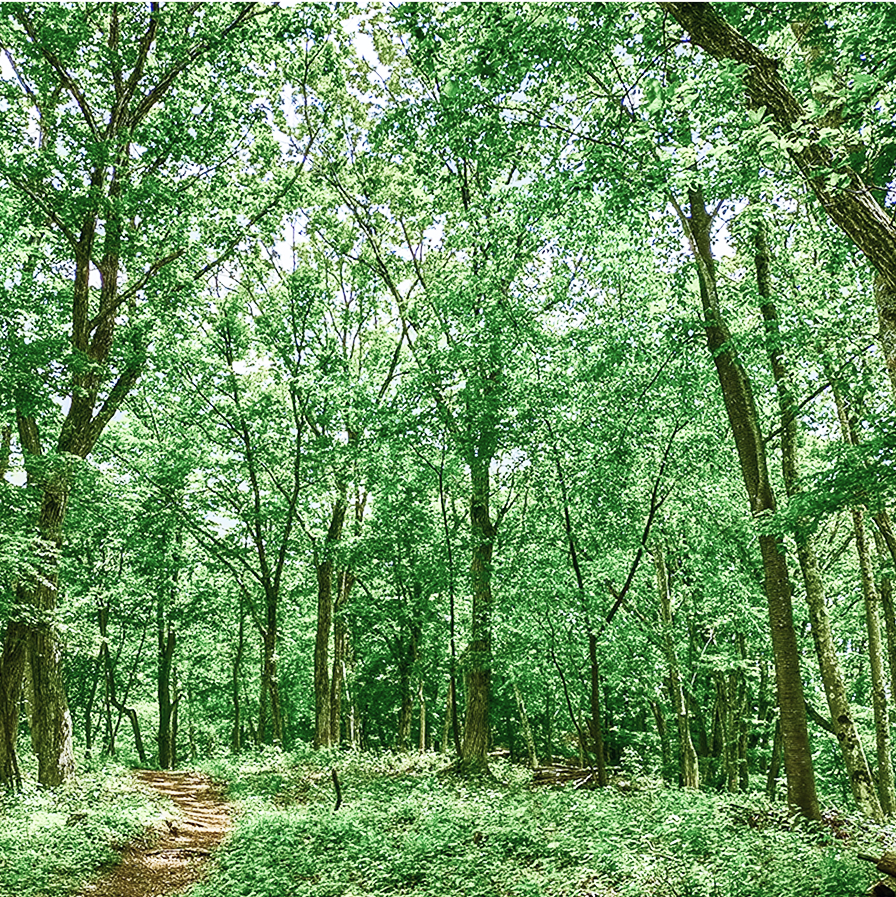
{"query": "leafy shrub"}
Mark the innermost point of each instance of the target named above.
(403, 829)
(51, 841)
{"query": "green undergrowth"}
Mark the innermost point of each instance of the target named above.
(405, 829)
(53, 840)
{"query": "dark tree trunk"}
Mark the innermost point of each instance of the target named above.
(12, 670)
(474, 751)
(325, 570)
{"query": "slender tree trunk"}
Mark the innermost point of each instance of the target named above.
(528, 738)
(885, 777)
(421, 705)
(688, 768)
(325, 570)
(886, 783)
(236, 734)
(774, 764)
(167, 641)
(340, 653)
(854, 208)
(474, 751)
(740, 405)
(841, 714)
(885, 588)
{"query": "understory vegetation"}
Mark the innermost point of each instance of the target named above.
(406, 826)
(53, 840)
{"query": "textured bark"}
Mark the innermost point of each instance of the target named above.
(688, 769)
(841, 715)
(852, 205)
(12, 669)
(740, 406)
(474, 751)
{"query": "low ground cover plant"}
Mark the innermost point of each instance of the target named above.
(404, 828)
(53, 840)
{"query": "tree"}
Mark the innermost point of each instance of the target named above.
(128, 160)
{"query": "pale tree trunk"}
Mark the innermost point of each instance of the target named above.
(885, 588)
(740, 405)
(688, 768)
(474, 750)
(528, 738)
(885, 777)
(841, 715)
(421, 704)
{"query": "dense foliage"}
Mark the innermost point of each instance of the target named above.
(498, 378)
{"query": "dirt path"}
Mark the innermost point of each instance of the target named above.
(168, 864)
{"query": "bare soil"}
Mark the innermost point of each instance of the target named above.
(181, 850)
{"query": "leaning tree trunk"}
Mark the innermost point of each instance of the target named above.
(841, 715)
(737, 393)
(854, 208)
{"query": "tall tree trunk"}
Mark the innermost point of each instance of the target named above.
(340, 653)
(325, 569)
(236, 734)
(167, 639)
(270, 715)
(885, 776)
(740, 405)
(853, 208)
(885, 588)
(841, 714)
(474, 751)
(688, 768)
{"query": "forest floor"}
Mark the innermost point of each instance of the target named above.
(180, 856)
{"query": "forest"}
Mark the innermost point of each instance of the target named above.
(468, 410)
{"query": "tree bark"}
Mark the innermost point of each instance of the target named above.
(740, 406)
(12, 670)
(325, 570)
(886, 783)
(688, 768)
(847, 199)
(474, 751)
(841, 715)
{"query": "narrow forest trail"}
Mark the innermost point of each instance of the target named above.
(167, 865)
